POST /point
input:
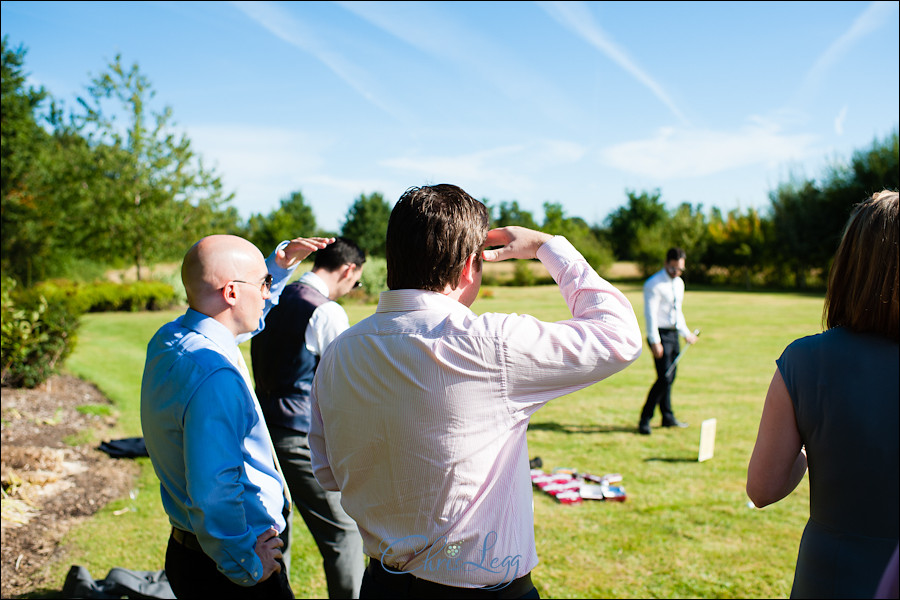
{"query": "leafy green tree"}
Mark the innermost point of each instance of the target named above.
(366, 223)
(579, 233)
(641, 213)
(738, 243)
(687, 228)
(152, 195)
(20, 136)
(801, 228)
(293, 218)
(509, 213)
(22, 140)
(870, 170)
(876, 168)
(644, 230)
(81, 193)
(808, 218)
(648, 249)
(47, 204)
(62, 216)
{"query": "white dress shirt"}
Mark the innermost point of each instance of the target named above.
(420, 412)
(327, 322)
(663, 297)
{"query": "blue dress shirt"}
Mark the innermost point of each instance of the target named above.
(207, 440)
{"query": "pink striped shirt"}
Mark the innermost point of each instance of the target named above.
(419, 418)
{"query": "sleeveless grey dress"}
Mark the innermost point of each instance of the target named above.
(844, 388)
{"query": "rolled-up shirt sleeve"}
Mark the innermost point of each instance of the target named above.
(602, 337)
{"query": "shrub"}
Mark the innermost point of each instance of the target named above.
(372, 282)
(107, 296)
(37, 336)
(374, 277)
(523, 275)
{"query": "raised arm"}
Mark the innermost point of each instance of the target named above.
(514, 242)
(601, 338)
(298, 249)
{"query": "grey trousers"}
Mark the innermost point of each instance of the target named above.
(335, 532)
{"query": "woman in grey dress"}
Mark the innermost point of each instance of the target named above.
(832, 406)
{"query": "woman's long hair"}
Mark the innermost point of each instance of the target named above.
(863, 284)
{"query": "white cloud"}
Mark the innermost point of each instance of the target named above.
(874, 17)
(283, 25)
(577, 17)
(683, 153)
(464, 169)
(839, 121)
(427, 28)
(507, 169)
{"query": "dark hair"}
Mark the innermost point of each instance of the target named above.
(674, 254)
(337, 254)
(863, 284)
(431, 232)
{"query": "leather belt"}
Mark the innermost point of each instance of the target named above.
(410, 584)
(186, 539)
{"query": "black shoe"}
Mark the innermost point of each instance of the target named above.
(675, 423)
(644, 428)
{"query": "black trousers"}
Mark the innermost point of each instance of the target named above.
(380, 584)
(193, 574)
(661, 392)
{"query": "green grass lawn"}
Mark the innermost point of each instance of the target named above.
(686, 529)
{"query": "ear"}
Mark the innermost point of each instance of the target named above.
(468, 271)
(229, 293)
(347, 270)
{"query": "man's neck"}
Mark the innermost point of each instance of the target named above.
(329, 278)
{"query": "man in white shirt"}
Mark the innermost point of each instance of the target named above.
(420, 412)
(285, 355)
(663, 298)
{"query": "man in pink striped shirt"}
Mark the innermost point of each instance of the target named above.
(420, 412)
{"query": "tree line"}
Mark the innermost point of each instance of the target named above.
(111, 183)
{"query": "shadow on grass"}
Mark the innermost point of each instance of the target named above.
(567, 428)
(671, 459)
(42, 593)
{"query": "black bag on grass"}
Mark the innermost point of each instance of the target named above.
(119, 583)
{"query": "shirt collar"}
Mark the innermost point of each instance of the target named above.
(665, 274)
(214, 331)
(406, 300)
(315, 282)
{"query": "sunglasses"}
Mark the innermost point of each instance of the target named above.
(265, 285)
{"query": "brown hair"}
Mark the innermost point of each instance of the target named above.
(431, 233)
(863, 284)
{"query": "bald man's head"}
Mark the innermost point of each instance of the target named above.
(213, 262)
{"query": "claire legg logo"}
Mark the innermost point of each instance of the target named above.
(433, 561)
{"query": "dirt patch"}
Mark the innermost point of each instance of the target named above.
(51, 482)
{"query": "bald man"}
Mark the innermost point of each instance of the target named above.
(204, 430)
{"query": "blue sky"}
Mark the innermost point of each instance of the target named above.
(711, 102)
